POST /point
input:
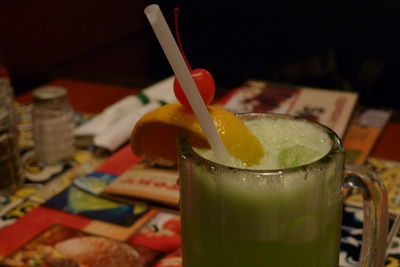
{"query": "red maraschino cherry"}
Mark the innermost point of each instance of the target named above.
(203, 79)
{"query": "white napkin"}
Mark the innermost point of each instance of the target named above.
(112, 127)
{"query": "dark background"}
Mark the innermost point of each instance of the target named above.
(346, 45)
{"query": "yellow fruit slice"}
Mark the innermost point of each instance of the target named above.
(156, 133)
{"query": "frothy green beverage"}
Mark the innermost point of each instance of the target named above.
(284, 212)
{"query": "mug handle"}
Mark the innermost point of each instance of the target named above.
(375, 205)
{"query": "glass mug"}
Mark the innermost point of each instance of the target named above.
(283, 217)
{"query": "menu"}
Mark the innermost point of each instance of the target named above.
(149, 183)
(364, 130)
(330, 107)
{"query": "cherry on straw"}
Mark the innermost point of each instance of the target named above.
(203, 79)
(178, 65)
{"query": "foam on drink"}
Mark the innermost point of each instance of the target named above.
(288, 143)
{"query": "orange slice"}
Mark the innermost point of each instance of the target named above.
(155, 134)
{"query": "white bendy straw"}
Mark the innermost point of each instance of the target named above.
(182, 73)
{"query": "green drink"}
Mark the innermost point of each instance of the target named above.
(284, 212)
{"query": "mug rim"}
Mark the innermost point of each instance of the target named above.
(186, 149)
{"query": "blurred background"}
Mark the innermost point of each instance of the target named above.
(345, 45)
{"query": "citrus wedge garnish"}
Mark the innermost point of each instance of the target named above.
(155, 134)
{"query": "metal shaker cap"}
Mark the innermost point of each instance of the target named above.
(49, 95)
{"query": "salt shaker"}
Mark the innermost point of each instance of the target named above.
(10, 166)
(53, 125)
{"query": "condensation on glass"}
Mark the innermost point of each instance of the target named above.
(284, 217)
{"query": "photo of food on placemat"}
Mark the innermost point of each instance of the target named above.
(62, 246)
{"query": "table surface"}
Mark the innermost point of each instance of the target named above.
(92, 98)
(87, 96)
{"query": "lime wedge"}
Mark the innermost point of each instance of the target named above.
(296, 155)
